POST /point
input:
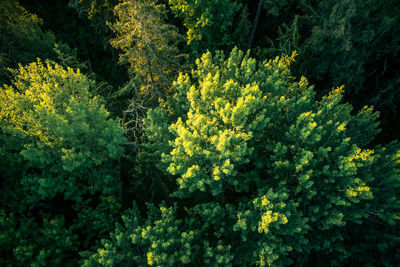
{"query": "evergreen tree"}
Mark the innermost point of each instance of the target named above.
(209, 23)
(68, 158)
(90, 36)
(345, 42)
(149, 44)
(21, 38)
(235, 163)
(30, 243)
(266, 175)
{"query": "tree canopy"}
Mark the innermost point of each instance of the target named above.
(199, 133)
(267, 174)
(68, 151)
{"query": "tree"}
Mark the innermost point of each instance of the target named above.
(360, 45)
(68, 128)
(21, 38)
(265, 174)
(90, 36)
(99, 11)
(209, 23)
(70, 154)
(149, 44)
(346, 42)
(30, 243)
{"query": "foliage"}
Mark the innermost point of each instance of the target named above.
(209, 23)
(270, 175)
(90, 37)
(155, 241)
(348, 42)
(68, 57)
(70, 150)
(50, 244)
(233, 162)
(360, 41)
(21, 38)
(55, 108)
(99, 11)
(149, 44)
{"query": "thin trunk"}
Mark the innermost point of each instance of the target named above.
(153, 84)
(149, 70)
(255, 23)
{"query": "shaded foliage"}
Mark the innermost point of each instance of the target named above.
(21, 36)
(345, 42)
(228, 161)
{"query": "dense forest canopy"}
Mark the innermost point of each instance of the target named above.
(199, 133)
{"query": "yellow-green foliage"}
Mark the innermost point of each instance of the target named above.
(273, 176)
(71, 139)
(341, 42)
(55, 108)
(69, 148)
(233, 163)
(149, 44)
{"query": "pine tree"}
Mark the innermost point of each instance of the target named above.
(266, 175)
(209, 23)
(149, 44)
(21, 38)
(345, 42)
(68, 160)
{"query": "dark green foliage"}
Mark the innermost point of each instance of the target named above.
(70, 25)
(228, 161)
(346, 42)
(33, 244)
(209, 23)
(98, 11)
(68, 57)
(21, 37)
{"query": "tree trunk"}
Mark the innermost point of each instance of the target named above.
(253, 30)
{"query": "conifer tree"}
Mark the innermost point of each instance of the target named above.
(266, 175)
(68, 159)
(149, 44)
(209, 23)
(345, 42)
(21, 38)
(232, 163)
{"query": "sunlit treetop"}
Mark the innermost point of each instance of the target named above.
(149, 45)
(67, 130)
